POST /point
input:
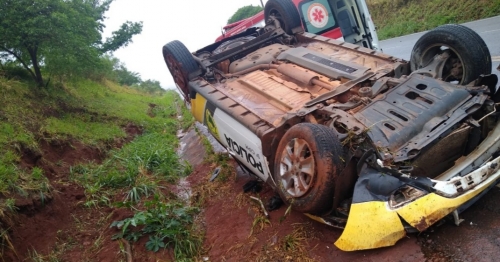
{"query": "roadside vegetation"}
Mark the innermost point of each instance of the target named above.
(97, 115)
(74, 118)
(244, 12)
(74, 96)
(400, 17)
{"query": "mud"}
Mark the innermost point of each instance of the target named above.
(228, 220)
(477, 238)
(57, 223)
(60, 225)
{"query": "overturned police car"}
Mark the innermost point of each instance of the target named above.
(351, 137)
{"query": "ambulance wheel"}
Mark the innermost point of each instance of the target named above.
(285, 12)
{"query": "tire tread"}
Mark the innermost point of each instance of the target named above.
(466, 42)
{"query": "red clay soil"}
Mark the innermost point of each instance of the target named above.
(75, 233)
(477, 238)
(58, 223)
(64, 228)
(228, 219)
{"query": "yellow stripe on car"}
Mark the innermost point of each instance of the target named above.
(198, 107)
(370, 225)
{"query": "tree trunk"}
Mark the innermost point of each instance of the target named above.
(20, 60)
(34, 61)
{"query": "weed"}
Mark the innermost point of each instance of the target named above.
(259, 222)
(155, 243)
(5, 241)
(95, 196)
(166, 224)
(95, 115)
(136, 192)
(137, 167)
(293, 241)
(97, 245)
(35, 257)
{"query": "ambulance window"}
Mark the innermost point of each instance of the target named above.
(317, 16)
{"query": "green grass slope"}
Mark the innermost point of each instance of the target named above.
(400, 17)
(95, 115)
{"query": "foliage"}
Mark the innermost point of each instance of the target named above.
(166, 224)
(122, 37)
(150, 86)
(99, 115)
(61, 37)
(95, 115)
(125, 77)
(15, 136)
(244, 12)
(400, 17)
(22, 182)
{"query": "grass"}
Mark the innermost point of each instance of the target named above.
(400, 17)
(166, 224)
(82, 128)
(138, 168)
(95, 115)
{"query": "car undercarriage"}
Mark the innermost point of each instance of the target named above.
(354, 138)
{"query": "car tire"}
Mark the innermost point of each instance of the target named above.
(286, 13)
(464, 44)
(181, 64)
(480, 42)
(307, 164)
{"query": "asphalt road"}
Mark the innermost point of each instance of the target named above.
(488, 29)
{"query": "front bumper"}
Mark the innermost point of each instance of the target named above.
(375, 222)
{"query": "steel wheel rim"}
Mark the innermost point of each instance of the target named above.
(177, 74)
(297, 167)
(278, 17)
(454, 62)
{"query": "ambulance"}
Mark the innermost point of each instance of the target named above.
(345, 20)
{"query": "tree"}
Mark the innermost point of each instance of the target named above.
(62, 36)
(126, 77)
(151, 86)
(244, 12)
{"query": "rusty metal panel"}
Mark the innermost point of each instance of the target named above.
(268, 97)
(253, 122)
(329, 66)
(414, 114)
(380, 63)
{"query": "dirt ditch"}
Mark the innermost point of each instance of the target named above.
(53, 224)
(235, 232)
(232, 223)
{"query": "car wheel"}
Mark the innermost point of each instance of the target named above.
(468, 58)
(480, 42)
(285, 12)
(307, 163)
(181, 64)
